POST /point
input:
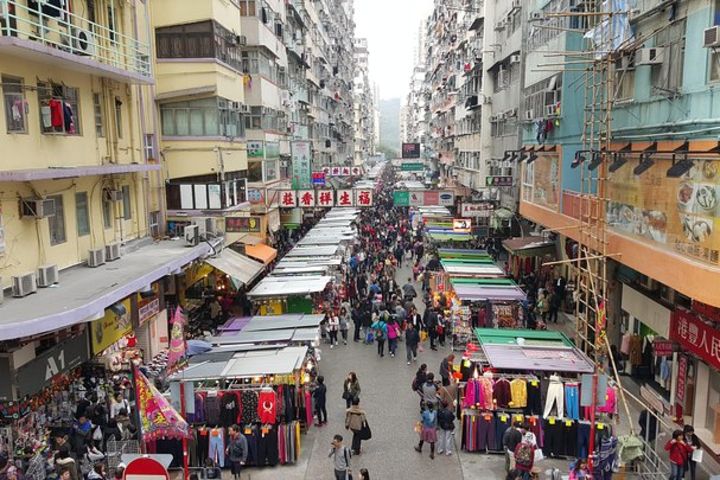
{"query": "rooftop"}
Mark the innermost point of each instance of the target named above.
(84, 293)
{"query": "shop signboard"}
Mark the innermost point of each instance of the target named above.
(148, 303)
(462, 225)
(499, 181)
(679, 214)
(306, 198)
(412, 167)
(255, 149)
(417, 198)
(112, 327)
(663, 348)
(681, 380)
(447, 198)
(345, 198)
(431, 197)
(476, 210)
(39, 372)
(301, 165)
(410, 150)
(707, 311)
(145, 468)
(255, 196)
(401, 198)
(364, 198)
(696, 336)
(325, 198)
(288, 198)
(243, 224)
(318, 179)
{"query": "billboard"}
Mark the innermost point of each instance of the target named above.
(301, 165)
(410, 150)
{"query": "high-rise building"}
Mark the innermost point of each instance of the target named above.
(364, 105)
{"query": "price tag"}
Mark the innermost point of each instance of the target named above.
(466, 363)
(248, 431)
(600, 426)
(503, 418)
(568, 423)
(519, 418)
(534, 383)
(551, 421)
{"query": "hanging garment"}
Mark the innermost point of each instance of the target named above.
(570, 432)
(56, 113)
(217, 446)
(636, 350)
(502, 393)
(536, 428)
(486, 388)
(229, 409)
(534, 402)
(250, 406)
(212, 409)
(583, 439)
(610, 402)
(572, 400)
(46, 114)
(502, 423)
(554, 444)
(203, 445)
(486, 432)
(68, 118)
(554, 396)
(625, 344)
(518, 388)
(267, 407)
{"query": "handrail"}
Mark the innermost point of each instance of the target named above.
(74, 34)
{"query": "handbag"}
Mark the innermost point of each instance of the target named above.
(365, 432)
(346, 395)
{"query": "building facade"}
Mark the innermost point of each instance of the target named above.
(363, 104)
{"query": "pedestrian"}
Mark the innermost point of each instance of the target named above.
(412, 339)
(333, 327)
(446, 368)
(431, 323)
(446, 424)
(380, 331)
(320, 396)
(555, 302)
(679, 452)
(524, 458)
(354, 420)
(351, 389)
(441, 331)
(393, 332)
(97, 472)
(420, 379)
(543, 306)
(344, 324)
(429, 391)
(510, 440)
(428, 430)
(579, 471)
(692, 440)
(341, 458)
(364, 475)
(237, 450)
(356, 314)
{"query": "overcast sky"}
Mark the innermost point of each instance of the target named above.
(391, 28)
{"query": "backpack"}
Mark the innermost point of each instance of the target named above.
(524, 455)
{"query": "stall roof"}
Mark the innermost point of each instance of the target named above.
(265, 336)
(475, 293)
(461, 253)
(261, 252)
(313, 251)
(278, 322)
(541, 350)
(472, 269)
(287, 271)
(239, 267)
(469, 281)
(449, 236)
(283, 286)
(310, 262)
(529, 246)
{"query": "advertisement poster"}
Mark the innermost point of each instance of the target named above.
(242, 224)
(686, 221)
(255, 149)
(112, 327)
(545, 181)
(301, 166)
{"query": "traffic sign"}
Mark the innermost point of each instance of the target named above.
(412, 167)
(145, 468)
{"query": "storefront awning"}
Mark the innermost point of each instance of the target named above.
(285, 286)
(529, 246)
(239, 267)
(479, 269)
(261, 252)
(498, 293)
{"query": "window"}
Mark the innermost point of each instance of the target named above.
(111, 23)
(154, 224)
(625, 77)
(247, 8)
(56, 223)
(107, 209)
(15, 105)
(667, 76)
(149, 147)
(528, 182)
(118, 118)
(98, 113)
(82, 212)
(127, 208)
(59, 108)
(198, 40)
(206, 117)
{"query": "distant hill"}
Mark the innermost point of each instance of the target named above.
(390, 123)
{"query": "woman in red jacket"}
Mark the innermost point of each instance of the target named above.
(679, 453)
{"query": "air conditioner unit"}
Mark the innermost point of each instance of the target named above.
(205, 225)
(529, 115)
(650, 56)
(96, 257)
(241, 40)
(711, 37)
(511, 113)
(516, 4)
(192, 235)
(550, 111)
(493, 118)
(114, 195)
(536, 16)
(83, 41)
(112, 251)
(37, 208)
(245, 108)
(23, 285)
(47, 275)
(515, 58)
(235, 105)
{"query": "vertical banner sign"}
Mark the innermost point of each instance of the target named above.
(177, 339)
(345, 198)
(158, 418)
(681, 380)
(301, 165)
(364, 198)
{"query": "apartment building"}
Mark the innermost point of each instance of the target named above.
(658, 163)
(363, 104)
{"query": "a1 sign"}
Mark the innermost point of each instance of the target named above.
(145, 468)
(499, 181)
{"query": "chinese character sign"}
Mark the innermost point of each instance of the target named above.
(410, 150)
(364, 198)
(301, 165)
(306, 198)
(696, 336)
(288, 199)
(345, 198)
(325, 198)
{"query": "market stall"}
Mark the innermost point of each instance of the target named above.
(527, 254)
(264, 391)
(508, 383)
(290, 294)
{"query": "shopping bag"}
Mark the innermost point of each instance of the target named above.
(539, 455)
(423, 335)
(370, 338)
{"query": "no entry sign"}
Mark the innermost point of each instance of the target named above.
(145, 468)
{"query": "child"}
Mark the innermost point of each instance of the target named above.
(428, 432)
(679, 454)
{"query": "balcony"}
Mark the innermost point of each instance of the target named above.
(54, 36)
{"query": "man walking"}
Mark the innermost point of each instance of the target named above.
(446, 367)
(237, 450)
(446, 422)
(341, 458)
(412, 339)
(320, 396)
(511, 439)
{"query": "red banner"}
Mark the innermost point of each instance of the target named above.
(681, 380)
(708, 311)
(696, 337)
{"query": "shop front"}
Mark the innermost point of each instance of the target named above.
(697, 396)
(527, 255)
